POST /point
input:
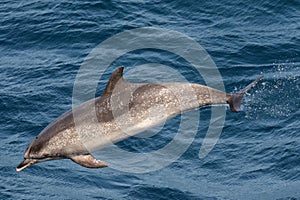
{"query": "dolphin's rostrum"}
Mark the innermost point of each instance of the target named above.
(121, 111)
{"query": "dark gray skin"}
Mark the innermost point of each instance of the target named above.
(124, 109)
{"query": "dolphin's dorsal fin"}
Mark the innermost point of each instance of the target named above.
(116, 78)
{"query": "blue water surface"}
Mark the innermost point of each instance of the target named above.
(44, 43)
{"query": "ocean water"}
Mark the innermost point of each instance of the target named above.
(44, 43)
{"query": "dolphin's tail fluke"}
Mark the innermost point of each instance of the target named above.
(235, 100)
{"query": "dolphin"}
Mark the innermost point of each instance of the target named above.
(124, 109)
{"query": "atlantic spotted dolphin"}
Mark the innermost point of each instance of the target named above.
(120, 112)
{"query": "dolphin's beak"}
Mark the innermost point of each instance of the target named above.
(26, 163)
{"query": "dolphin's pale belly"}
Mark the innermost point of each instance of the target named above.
(148, 105)
(106, 120)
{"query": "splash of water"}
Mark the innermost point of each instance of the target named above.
(278, 94)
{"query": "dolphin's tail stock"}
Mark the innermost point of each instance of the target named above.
(235, 100)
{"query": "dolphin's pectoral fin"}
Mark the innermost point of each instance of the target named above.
(89, 161)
